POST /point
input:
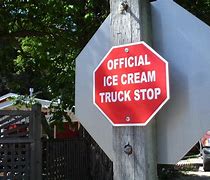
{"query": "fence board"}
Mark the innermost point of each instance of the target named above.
(12, 121)
(15, 140)
(15, 112)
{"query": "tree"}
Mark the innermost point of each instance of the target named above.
(39, 41)
(200, 8)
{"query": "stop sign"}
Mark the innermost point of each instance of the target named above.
(131, 84)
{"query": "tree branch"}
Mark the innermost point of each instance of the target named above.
(23, 33)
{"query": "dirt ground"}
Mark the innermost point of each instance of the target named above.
(186, 175)
(188, 169)
(191, 177)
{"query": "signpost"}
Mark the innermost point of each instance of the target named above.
(131, 84)
(134, 148)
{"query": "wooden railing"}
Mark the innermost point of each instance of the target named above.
(20, 144)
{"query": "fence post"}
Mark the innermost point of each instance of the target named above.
(36, 146)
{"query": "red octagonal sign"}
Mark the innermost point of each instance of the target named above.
(131, 84)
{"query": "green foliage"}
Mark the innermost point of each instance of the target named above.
(24, 101)
(39, 41)
(200, 8)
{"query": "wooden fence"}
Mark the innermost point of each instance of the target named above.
(65, 159)
(100, 166)
(75, 159)
(20, 145)
(24, 155)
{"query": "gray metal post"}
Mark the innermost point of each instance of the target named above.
(134, 147)
(36, 146)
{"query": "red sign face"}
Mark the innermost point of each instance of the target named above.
(131, 84)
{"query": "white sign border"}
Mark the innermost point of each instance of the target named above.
(167, 86)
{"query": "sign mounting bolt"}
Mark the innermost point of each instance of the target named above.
(127, 118)
(126, 50)
(128, 149)
(123, 7)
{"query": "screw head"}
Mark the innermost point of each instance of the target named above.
(126, 50)
(127, 118)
